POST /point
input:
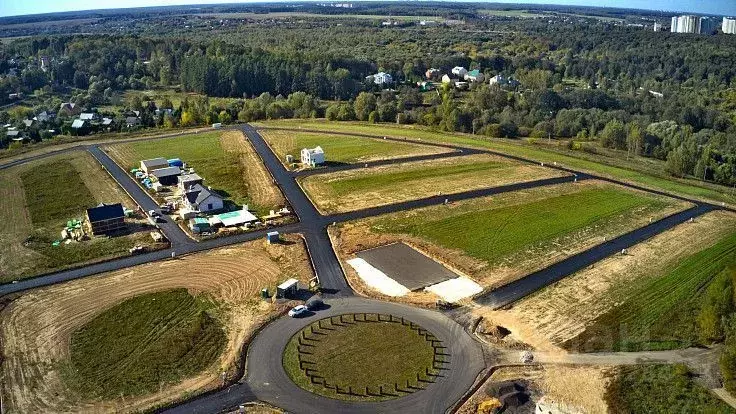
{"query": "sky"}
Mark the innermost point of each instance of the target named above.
(20, 7)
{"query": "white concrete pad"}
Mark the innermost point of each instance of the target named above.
(377, 279)
(455, 289)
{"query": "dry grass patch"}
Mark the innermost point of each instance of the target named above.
(353, 237)
(563, 310)
(36, 328)
(359, 189)
(261, 188)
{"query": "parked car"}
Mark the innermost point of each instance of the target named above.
(298, 311)
(154, 213)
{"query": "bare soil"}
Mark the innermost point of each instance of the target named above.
(562, 311)
(352, 237)
(36, 327)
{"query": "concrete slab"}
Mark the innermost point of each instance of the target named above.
(407, 266)
(377, 279)
(456, 289)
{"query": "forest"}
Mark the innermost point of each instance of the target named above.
(587, 82)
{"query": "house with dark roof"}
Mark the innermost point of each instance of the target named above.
(132, 121)
(70, 109)
(106, 219)
(167, 176)
(201, 199)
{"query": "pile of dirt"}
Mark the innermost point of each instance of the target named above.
(515, 395)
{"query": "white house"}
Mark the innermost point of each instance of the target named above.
(200, 199)
(381, 78)
(446, 78)
(459, 71)
(313, 157)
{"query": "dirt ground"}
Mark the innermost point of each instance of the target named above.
(321, 194)
(562, 311)
(261, 187)
(352, 237)
(15, 222)
(580, 387)
(36, 327)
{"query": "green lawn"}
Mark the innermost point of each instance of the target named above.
(664, 312)
(359, 355)
(142, 344)
(661, 389)
(492, 234)
(221, 170)
(340, 148)
(397, 179)
(689, 188)
(55, 193)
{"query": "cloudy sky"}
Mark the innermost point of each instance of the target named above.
(17, 7)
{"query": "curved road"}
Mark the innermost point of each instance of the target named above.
(261, 362)
(267, 381)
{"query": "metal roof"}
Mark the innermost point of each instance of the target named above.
(166, 172)
(105, 212)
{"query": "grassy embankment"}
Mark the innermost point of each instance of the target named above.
(361, 355)
(142, 344)
(638, 173)
(660, 389)
(683, 307)
(341, 149)
(492, 234)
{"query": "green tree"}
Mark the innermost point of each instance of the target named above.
(364, 105)
(613, 135)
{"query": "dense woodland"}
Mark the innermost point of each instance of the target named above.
(591, 83)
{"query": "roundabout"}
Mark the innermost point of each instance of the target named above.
(363, 356)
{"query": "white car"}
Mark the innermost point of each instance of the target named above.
(298, 310)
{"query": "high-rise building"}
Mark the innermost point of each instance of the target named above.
(729, 25)
(657, 27)
(693, 24)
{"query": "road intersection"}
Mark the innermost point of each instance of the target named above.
(313, 226)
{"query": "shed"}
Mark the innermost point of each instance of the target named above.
(272, 237)
(153, 164)
(234, 218)
(176, 162)
(167, 176)
(287, 289)
(199, 225)
(78, 123)
(106, 218)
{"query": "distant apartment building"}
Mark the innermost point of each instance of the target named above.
(693, 24)
(729, 25)
(657, 27)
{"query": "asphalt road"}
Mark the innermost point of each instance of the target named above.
(531, 283)
(267, 381)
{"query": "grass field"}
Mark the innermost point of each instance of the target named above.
(660, 389)
(512, 13)
(559, 313)
(36, 200)
(496, 240)
(351, 190)
(341, 149)
(638, 171)
(396, 354)
(213, 155)
(662, 312)
(492, 234)
(38, 328)
(142, 344)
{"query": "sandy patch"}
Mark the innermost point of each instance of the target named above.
(454, 290)
(376, 279)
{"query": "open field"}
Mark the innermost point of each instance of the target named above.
(284, 15)
(512, 13)
(397, 354)
(36, 201)
(168, 336)
(496, 240)
(218, 157)
(638, 171)
(341, 149)
(561, 312)
(357, 189)
(660, 389)
(37, 327)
